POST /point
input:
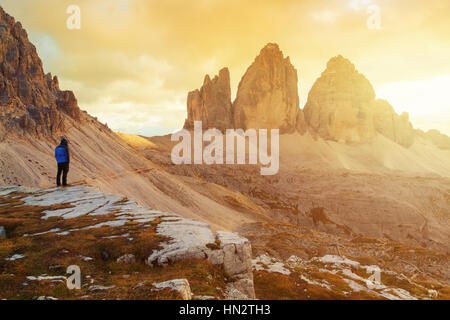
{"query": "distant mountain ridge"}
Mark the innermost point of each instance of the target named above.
(341, 105)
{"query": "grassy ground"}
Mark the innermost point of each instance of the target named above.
(50, 254)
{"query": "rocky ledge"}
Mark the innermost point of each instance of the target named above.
(182, 239)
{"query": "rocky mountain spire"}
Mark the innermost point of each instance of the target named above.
(29, 100)
(212, 103)
(267, 96)
(341, 106)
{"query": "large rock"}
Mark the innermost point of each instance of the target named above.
(190, 239)
(340, 104)
(2, 232)
(180, 285)
(237, 262)
(237, 253)
(267, 96)
(30, 100)
(127, 259)
(211, 104)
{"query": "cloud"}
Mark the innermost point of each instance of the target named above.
(146, 55)
(325, 16)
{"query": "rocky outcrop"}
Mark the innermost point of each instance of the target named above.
(440, 140)
(237, 262)
(211, 104)
(180, 285)
(126, 259)
(340, 104)
(181, 239)
(342, 107)
(267, 96)
(396, 127)
(190, 239)
(30, 101)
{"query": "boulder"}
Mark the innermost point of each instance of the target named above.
(127, 259)
(267, 96)
(237, 253)
(180, 285)
(237, 262)
(190, 239)
(2, 232)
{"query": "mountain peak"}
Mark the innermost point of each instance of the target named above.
(342, 106)
(31, 101)
(267, 96)
(339, 63)
(212, 103)
(271, 47)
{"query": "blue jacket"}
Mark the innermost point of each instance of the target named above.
(62, 153)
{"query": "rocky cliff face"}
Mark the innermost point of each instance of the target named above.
(212, 103)
(267, 96)
(30, 101)
(396, 127)
(340, 104)
(440, 140)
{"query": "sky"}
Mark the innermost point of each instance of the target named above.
(133, 62)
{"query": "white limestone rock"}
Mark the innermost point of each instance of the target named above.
(180, 285)
(188, 241)
(127, 259)
(237, 253)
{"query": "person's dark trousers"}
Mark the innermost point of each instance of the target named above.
(64, 169)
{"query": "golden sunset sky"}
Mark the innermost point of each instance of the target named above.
(133, 62)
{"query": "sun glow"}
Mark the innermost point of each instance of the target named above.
(149, 54)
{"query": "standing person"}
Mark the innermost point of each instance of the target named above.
(63, 159)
